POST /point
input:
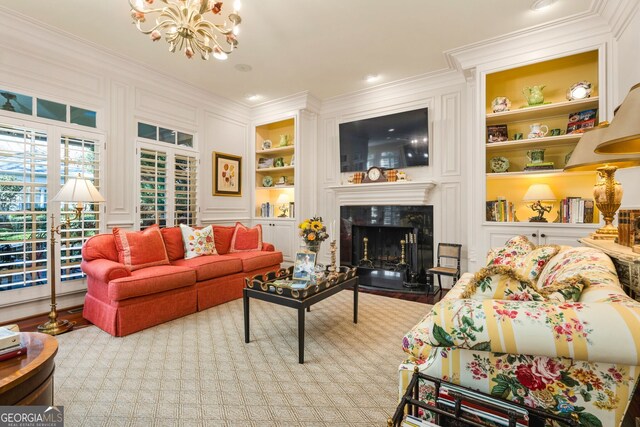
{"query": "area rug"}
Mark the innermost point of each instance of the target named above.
(198, 371)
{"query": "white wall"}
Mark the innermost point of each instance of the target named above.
(628, 74)
(444, 94)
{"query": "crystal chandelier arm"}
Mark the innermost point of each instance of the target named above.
(159, 25)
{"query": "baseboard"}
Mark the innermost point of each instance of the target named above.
(34, 308)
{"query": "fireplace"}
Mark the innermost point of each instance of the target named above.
(382, 229)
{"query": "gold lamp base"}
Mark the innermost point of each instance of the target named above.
(56, 327)
(607, 194)
(607, 232)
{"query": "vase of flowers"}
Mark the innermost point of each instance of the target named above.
(313, 233)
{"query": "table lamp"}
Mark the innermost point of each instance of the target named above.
(79, 190)
(607, 192)
(623, 136)
(537, 193)
(283, 201)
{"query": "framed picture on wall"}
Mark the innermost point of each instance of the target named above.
(227, 174)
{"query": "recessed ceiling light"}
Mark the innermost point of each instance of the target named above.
(541, 4)
(245, 68)
(391, 130)
(253, 97)
(371, 78)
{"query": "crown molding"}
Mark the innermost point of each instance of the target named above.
(68, 48)
(402, 90)
(287, 105)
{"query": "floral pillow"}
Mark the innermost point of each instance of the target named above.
(570, 290)
(501, 283)
(197, 242)
(532, 264)
(515, 247)
(505, 283)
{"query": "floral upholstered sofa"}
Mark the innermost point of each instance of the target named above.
(554, 332)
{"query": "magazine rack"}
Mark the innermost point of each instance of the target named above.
(510, 412)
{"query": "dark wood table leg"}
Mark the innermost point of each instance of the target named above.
(355, 302)
(301, 335)
(245, 303)
(308, 309)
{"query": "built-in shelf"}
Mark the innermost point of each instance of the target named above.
(522, 144)
(277, 150)
(280, 169)
(275, 187)
(542, 111)
(547, 173)
(543, 224)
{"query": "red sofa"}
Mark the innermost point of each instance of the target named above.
(122, 302)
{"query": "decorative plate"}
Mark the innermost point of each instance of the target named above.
(499, 164)
(580, 90)
(500, 104)
(267, 181)
(266, 144)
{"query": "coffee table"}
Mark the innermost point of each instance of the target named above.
(262, 288)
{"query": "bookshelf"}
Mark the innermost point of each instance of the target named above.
(510, 186)
(275, 169)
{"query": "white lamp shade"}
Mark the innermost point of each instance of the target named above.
(78, 190)
(584, 158)
(539, 192)
(623, 135)
(283, 199)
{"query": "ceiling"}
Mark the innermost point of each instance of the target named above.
(324, 47)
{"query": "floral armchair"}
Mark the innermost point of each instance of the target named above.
(578, 357)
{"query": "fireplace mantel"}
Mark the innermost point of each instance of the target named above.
(413, 193)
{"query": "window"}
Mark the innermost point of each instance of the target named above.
(79, 156)
(168, 187)
(23, 208)
(185, 190)
(153, 188)
(23, 104)
(168, 136)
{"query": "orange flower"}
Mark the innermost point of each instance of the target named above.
(311, 237)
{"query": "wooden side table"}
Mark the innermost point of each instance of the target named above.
(626, 261)
(28, 379)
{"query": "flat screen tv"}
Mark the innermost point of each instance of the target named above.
(395, 141)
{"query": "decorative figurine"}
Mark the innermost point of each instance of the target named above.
(500, 104)
(541, 209)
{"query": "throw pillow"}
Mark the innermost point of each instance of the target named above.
(568, 290)
(172, 237)
(140, 249)
(223, 235)
(501, 283)
(515, 247)
(531, 264)
(246, 239)
(197, 241)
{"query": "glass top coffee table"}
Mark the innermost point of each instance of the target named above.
(269, 287)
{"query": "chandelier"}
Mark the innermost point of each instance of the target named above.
(185, 27)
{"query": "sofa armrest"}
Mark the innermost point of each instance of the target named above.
(268, 247)
(104, 270)
(582, 331)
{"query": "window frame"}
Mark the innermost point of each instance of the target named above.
(171, 152)
(55, 131)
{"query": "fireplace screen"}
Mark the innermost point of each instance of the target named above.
(392, 246)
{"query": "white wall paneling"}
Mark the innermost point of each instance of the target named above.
(229, 136)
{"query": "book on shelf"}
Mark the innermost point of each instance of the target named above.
(539, 166)
(576, 210)
(10, 353)
(629, 227)
(581, 121)
(500, 210)
(292, 210)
